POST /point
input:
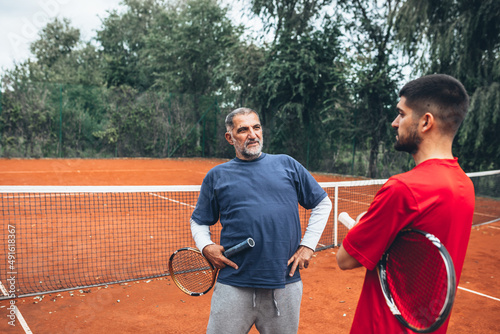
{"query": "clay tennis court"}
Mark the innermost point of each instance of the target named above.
(157, 306)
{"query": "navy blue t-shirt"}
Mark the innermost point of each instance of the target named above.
(258, 199)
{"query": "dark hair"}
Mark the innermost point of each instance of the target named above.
(441, 95)
(240, 111)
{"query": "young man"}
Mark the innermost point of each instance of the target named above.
(257, 195)
(436, 196)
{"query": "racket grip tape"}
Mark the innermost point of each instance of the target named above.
(345, 219)
(248, 243)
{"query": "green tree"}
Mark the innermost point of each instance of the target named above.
(461, 38)
(375, 74)
(46, 98)
(299, 76)
(301, 80)
(61, 56)
(27, 116)
(192, 47)
(248, 59)
(57, 40)
(288, 17)
(123, 44)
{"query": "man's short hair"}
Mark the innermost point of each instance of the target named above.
(441, 95)
(240, 111)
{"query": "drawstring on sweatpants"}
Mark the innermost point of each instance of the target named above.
(278, 313)
(276, 305)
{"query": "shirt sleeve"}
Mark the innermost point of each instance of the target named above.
(393, 208)
(317, 223)
(206, 211)
(201, 235)
(309, 192)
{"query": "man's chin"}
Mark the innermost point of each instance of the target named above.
(400, 148)
(252, 153)
(411, 149)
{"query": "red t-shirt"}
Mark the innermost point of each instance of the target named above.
(437, 197)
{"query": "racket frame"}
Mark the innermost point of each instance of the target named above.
(179, 284)
(246, 244)
(450, 291)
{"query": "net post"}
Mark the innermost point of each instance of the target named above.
(335, 216)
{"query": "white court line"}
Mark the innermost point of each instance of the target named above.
(172, 200)
(352, 201)
(484, 214)
(19, 316)
(478, 293)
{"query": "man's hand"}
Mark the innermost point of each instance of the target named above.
(214, 254)
(300, 259)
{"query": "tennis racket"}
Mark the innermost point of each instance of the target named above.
(193, 273)
(418, 280)
(417, 277)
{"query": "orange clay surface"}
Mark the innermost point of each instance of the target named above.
(157, 306)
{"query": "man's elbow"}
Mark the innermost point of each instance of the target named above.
(343, 265)
(346, 261)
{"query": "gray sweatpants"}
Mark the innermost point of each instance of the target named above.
(234, 310)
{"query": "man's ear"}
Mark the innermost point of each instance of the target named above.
(229, 138)
(427, 122)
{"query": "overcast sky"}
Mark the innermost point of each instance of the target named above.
(22, 20)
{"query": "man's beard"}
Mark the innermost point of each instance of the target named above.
(252, 152)
(410, 142)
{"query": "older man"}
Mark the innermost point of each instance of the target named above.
(257, 195)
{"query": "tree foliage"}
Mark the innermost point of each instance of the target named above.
(375, 77)
(160, 75)
(298, 86)
(301, 79)
(123, 41)
(461, 38)
(288, 18)
(56, 41)
(191, 46)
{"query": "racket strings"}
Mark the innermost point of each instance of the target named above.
(192, 271)
(419, 294)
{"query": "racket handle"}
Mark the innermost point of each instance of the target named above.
(345, 219)
(249, 243)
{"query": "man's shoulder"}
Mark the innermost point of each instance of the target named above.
(284, 158)
(431, 174)
(221, 167)
(430, 170)
(406, 179)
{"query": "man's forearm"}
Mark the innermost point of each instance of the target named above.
(201, 235)
(317, 223)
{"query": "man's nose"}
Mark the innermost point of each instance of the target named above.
(252, 133)
(395, 123)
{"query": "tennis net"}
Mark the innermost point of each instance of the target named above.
(67, 238)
